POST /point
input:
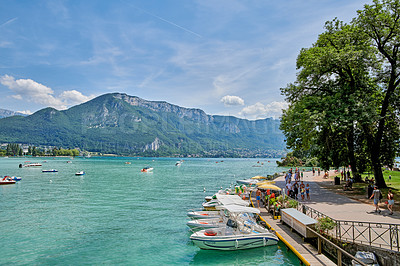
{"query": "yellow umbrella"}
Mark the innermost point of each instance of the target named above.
(265, 182)
(259, 177)
(270, 186)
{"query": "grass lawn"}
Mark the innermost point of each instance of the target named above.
(359, 191)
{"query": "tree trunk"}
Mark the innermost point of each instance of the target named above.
(377, 168)
(352, 157)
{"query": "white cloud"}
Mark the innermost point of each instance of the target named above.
(230, 100)
(32, 91)
(74, 97)
(25, 112)
(259, 110)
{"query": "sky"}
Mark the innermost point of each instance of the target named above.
(226, 57)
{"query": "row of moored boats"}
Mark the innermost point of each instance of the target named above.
(228, 223)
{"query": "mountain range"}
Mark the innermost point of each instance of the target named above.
(127, 125)
(7, 113)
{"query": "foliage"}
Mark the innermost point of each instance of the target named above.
(325, 224)
(13, 149)
(290, 160)
(292, 203)
(344, 104)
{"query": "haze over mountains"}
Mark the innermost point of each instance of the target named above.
(127, 125)
(7, 113)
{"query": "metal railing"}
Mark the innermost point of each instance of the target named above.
(382, 235)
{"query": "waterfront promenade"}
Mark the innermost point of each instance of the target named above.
(334, 205)
(338, 206)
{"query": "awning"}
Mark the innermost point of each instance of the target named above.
(270, 186)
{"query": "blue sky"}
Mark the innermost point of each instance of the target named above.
(223, 56)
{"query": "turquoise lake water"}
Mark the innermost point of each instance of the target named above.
(116, 214)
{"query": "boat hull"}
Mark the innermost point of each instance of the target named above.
(203, 214)
(7, 182)
(234, 242)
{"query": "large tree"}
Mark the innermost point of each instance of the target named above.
(351, 77)
(331, 84)
(381, 22)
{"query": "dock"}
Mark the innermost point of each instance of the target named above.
(306, 250)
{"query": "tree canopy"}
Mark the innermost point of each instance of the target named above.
(343, 106)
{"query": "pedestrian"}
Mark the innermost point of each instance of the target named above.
(296, 190)
(313, 171)
(302, 190)
(289, 188)
(258, 197)
(390, 177)
(390, 198)
(319, 171)
(308, 191)
(302, 175)
(376, 194)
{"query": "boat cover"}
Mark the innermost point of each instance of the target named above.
(240, 209)
(231, 200)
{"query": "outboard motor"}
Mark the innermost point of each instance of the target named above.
(20, 165)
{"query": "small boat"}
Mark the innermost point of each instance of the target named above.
(237, 234)
(178, 163)
(80, 173)
(368, 258)
(248, 182)
(147, 169)
(32, 164)
(69, 161)
(127, 162)
(50, 171)
(7, 181)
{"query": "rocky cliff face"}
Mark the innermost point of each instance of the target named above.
(157, 106)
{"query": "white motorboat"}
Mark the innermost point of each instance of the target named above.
(32, 164)
(50, 171)
(199, 224)
(237, 234)
(248, 182)
(204, 214)
(7, 180)
(80, 173)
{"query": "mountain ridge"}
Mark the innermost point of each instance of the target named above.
(129, 125)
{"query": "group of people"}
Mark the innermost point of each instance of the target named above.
(377, 195)
(297, 186)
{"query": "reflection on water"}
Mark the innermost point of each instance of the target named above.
(271, 255)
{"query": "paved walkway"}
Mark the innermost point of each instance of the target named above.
(340, 207)
(308, 251)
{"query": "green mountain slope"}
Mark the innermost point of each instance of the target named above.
(127, 125)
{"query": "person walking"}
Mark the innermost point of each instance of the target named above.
(390, 198)
(376, 194)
